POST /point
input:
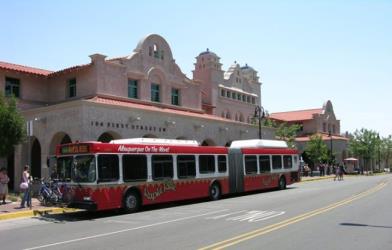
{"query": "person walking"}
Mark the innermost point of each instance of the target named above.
(4, 179)
(25, 186)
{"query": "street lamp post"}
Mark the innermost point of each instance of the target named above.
(259, 114)
(330, 137)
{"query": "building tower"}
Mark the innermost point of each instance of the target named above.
(208, 71)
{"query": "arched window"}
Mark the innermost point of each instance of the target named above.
(156, 51)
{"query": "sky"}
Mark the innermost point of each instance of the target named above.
(305, 52)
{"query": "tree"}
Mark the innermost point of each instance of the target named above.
(386, 150)
(316, 150)
(284, 131)
(364, 144)
(288, 132)
(12, 125)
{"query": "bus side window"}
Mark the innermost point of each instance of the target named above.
(186, 166)
(134, 168)
(276, 161)
(108, 169)
(162, 167)
(264, 163)
(206, 164)
(287, 161)
(222, 165)
(250, 164)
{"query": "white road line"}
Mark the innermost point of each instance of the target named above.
(224, 215)
(124, 230)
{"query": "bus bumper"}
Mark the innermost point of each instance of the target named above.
(87, 205)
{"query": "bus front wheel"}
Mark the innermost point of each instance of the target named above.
(131, 202)
(215, 192)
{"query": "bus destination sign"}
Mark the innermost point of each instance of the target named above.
(75, 149)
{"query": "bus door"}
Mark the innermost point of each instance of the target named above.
(236, 171)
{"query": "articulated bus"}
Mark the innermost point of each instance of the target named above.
(129, 173)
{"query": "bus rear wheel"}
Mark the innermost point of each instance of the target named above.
(131, 202)
(282, 183)
(215, 192)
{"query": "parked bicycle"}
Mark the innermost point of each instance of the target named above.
(50, 193)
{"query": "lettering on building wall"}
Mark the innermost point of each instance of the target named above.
(127, 126)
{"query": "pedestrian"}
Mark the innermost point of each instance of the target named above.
(4, 179)
(337, 173)
(25, 186)
(341, 171)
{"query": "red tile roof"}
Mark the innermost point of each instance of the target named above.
(324, 137)
(299, 115)
(24, 69)
(130, 104)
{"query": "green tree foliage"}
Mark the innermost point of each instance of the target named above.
(316, 150)
(386, 150)
(365, 144)
(12, 125)
(288, 133)
(284, 131)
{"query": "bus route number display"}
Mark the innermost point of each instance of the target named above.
(75, 149)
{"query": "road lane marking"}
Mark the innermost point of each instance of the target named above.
(254, 216)
(124, 230)
(225, 215)
(285, 223)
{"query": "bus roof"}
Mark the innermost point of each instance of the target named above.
(257, 143)
(156, 141)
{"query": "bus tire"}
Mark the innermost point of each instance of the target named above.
(215, 191)
(131, 202)
(282, 183)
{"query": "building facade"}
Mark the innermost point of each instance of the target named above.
(321, 121)
(144, 94)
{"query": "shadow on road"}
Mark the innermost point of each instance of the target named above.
(86, 215)
(362, 225)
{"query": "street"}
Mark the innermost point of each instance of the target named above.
(326, 214)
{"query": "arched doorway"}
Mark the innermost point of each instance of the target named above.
(108, 136)
(36, 159)
(208, 142)
(58, 138)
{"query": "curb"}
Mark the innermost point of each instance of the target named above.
(318, 179)
(37, 212)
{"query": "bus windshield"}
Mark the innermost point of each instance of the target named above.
(62, 171)
(84, 169)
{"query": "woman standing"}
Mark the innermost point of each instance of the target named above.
(25, 186)
(4, 179)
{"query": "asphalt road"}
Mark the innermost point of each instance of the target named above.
(352, 214)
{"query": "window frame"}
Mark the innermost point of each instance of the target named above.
(133, 88)
(187, 161)
(153, 171)
(246, 166)
(155, 92)
(71, 85)
(175, 96)
(208, 167)
(261, 170)
(273, 162)
(124, 166)
(106, 180)
(13, 84)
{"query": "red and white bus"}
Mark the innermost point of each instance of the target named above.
(129, 173)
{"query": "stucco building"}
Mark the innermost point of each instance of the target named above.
(144, 94)
(321, 121)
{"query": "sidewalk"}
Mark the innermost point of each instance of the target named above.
(316, 178)
(12, 210)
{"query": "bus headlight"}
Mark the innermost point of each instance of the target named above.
(87, 198)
